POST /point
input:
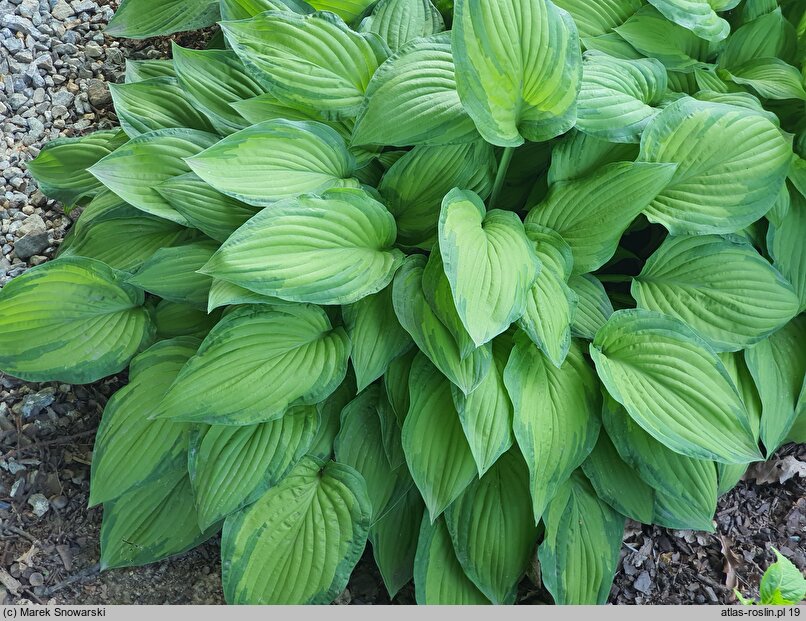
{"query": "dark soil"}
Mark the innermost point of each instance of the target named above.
(46, 437)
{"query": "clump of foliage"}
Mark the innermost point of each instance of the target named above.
(469, 282)
(781, 585)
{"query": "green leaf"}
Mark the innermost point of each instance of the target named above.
(139, 70)
(437, 453)
(552, 305)
(415, 185)
(156, 103)
(376, 335)
(299, 543)
(141, 19)
(486, 414)
(518, 68)
(223, 293)
(594, 308)
(782, 584)
(579, 554)
(173, 319)
(348, 10)
(244, 9)
(438, 577)
(778, 366)
(552, 403)
(206, 209)
(720, 286)
(61, 168)
(255, 363)
(172, 273)
(360, 444)
(597, 17)
(731, 164)
(619, 97)
(771, 78)
(743, 380)
(120, 236)
(330, 415)
(314, 60)
(617, 483)
(578, 155)
(430, 335)
(399, 21)
(786, 247)
(150, 523)
(768, 36)
(274, 160)
(674, 386)
(212, 80)
(73, 320)
(729, 476)
(685, 488)
(592, 213)
(231, 467)
(492, 529)
(134, 170)
(331, 249)
(396, 383)
(131, 450)
(699, 16)
(412, 99)
(394, 541)
(654, 36)
(490, 264)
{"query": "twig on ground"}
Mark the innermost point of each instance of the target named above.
(87, 572)
(62, 440)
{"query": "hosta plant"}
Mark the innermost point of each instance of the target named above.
(465, 284)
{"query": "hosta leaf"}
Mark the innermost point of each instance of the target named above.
(376, 335)
(331, 249)
(486, 413)
(213, 79)
(141, 19)
(492, 529)
(786, 247)
(597, 17)
(256, 362)
(518, 68)
(731, 163)
(430, 335)
(223, 293)
(743, 380)
(438, 577)
(122, 237)
(156, 103)
(244, 9)
(720, 286)
(172, 273)
(231, 467)
(173, 319)
(653, 35)
(139, 70)
(552, 305)
(73, 320)
(299, 543)
(699, 16)
(579, 554)
(594, 308)
(578, 155)
(131, 450)
(134, 170)
(685, 488)
(359, 444)
(778, 366)
(783, 583)
(674, 386)
(619, 97)
(206, 209)
(416, 184)
(490, 264)
(348, 10)
(330, 415)
(275, 160)
(771, 78)
(416, 89)
(396, 383)
(617, 483)
(768, 36)
(437, 453)
(150, 523)
(314, 60)
(399, 21)
(394, 541)
(592, 213)
(552, 403)
(61, 168)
